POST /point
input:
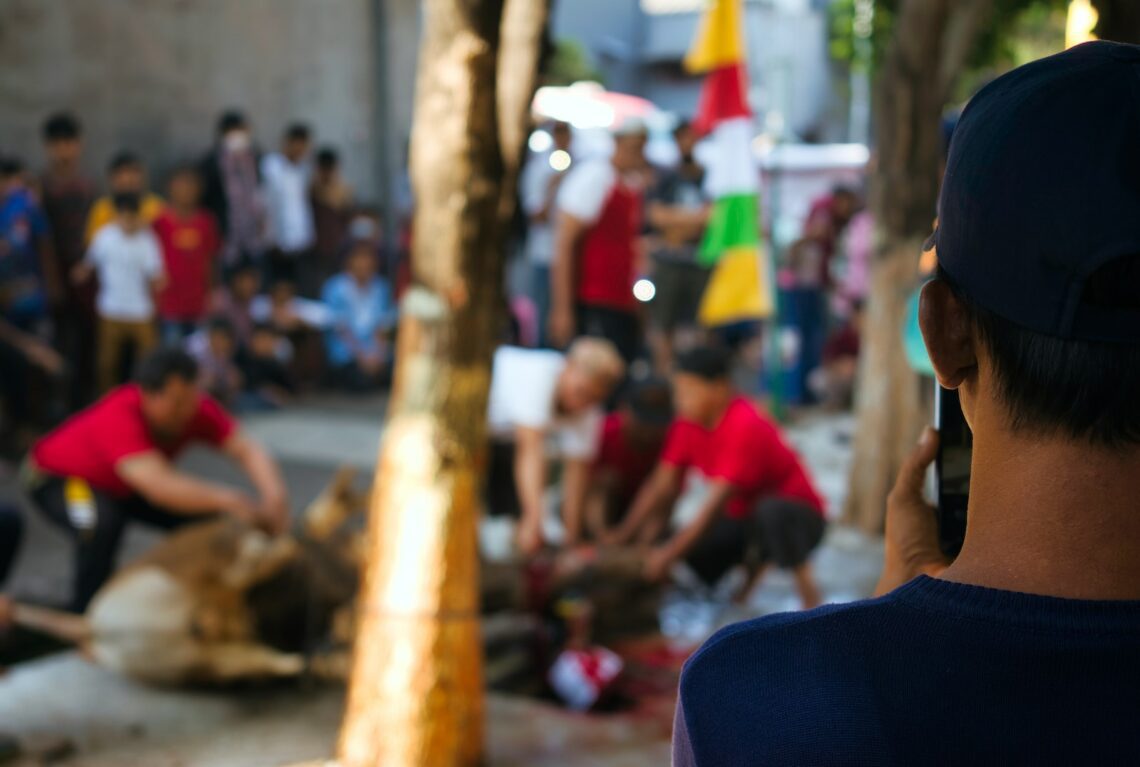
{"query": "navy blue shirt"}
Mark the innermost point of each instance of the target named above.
(933, 673)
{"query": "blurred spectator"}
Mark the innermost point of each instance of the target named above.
(218, 373)
(300, 324)
(808, 277)
(677, 211)
(25, 250)
(538, 188)
(596, 247)
(126, 174)
(632, 438)
(331, 199)
(127, 258)
(190, 243)
(67, 198)
(266, 383)
(833, 382)
(234, 300)
(859, 244)
(363, 317)
(285, 179)
(232, 189)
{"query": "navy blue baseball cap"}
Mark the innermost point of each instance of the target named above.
(1042, 189)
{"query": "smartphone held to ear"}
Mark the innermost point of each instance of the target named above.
(951, 469)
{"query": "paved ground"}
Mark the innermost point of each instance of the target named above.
(112, 721)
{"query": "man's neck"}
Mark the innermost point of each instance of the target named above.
(1052, 517)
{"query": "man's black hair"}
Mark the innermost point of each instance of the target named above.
(156, 370)
(10, 166)
(122, 160)
(298, 132)
(328, 158)
(1081, 390)
(126, 202)
(244, 264)
(707, 362)
(682, 125)
(61, 126)
(263, 327)
(186, 169)
(230, 120)
(221, 324)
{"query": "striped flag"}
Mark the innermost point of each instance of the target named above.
(741, 284)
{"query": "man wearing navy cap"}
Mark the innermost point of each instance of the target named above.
(1023, 650)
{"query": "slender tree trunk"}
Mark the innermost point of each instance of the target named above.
(416, 690)
(931, 43)
(1119, 20)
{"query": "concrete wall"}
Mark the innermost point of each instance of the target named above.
(152, 75)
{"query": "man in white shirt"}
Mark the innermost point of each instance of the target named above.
(286, 176)
(538, 188)
(544, 400)
(127, 258)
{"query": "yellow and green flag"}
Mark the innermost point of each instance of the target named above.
(741, 286)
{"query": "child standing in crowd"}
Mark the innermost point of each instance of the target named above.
(332, 211)
(285, 179)
(128, 260)
(363, 314)
(190, 241)
(125, 175)
(67, 194)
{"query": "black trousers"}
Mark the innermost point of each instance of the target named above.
(11, 533)
(781, 531)
(97, 522)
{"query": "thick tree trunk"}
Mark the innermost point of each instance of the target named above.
(1119, 20)
(931, 43)
(416, 691)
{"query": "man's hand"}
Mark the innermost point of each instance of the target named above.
(528, 538)
(561, 327)
(7, 613)
(912, 530)
(240, 506)
(273, 516)
(657, 564)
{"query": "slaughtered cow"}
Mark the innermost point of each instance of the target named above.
(221, 602)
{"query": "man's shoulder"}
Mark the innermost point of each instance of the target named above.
(766, 646)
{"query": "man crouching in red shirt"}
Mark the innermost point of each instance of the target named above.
(113, 463)
(759, 507)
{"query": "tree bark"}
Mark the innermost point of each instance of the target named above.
(1119, 20)
(931, 43)
(416, 690)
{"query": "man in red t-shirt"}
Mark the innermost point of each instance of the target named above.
(760, 507)
(632, 438)
(113, 463)
(595, 247)
(190, 241)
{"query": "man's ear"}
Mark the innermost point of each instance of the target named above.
(948, 334)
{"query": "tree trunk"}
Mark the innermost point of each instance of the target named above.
(416, 690)
(931, 42)
(1119, 20)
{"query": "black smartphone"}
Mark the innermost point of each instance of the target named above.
(951, 469)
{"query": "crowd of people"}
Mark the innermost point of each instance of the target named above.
(260, 264)
(255, 275)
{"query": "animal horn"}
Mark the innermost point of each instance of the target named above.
(61, 625)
